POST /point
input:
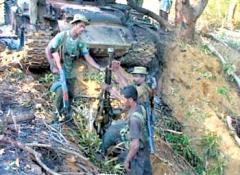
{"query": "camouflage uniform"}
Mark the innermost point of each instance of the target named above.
(69, 50)
(141, 164)
(143, 93)
(112, 136)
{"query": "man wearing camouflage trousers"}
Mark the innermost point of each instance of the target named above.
(61, 52)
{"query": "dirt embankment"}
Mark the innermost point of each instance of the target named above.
(195, 87)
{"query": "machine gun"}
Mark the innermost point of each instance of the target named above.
(150, 126)
(105, 111)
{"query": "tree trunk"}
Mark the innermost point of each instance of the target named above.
(230, 15)
(186, 18)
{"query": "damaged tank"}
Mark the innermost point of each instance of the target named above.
(131, 34)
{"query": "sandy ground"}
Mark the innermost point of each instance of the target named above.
(192, 82)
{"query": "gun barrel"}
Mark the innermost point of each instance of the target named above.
(150, 129)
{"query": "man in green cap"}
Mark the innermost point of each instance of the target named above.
(113, 135)
(139, 81)
(61, 52)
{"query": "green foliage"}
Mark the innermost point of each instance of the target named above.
(181, 145)
(224, 92)
(211, 163)
(89, 143)
(210, 145)
(204, 48)
(17, 74)
(47, 79)
(207, 75)
(217, 167)
(229, 69)
(94, 76)
(215, 13)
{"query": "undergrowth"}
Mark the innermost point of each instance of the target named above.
(210, 161)
(89, 143)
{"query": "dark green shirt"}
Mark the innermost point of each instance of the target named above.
(70, 47)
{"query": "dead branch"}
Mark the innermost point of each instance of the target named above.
(37, 155)
(64, 151)
(211, 36)
(61, 149)
(178, 155)
(222, 59)
(23, 147)
(149, 13)
(56, 134)
(162, 159)
(14, 119)
(172, 131)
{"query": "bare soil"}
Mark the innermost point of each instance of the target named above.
(195, 87)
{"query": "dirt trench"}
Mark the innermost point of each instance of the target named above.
(193, 85)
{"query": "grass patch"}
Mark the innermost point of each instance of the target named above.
(214, 160)
(47, 79)
(94, 76)
(223, 91)
(89, 143)
(182, 146)
(17, 74)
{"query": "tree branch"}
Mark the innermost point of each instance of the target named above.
(150, 14)
(23, 147)
(198, 9)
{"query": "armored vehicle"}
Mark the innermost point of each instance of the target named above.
(131, 34)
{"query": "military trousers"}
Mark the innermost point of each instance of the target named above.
(112, 136)
(141, 164)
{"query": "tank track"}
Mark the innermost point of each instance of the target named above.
(35, 50)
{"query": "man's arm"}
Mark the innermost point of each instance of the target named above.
(134, 131)
(122, 78)
(92, 62)
(119, 74)
(84, 49)
(133, 149)
(53, 46)
(57, 60)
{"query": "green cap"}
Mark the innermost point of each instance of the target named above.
(139, 70)
(79, 17)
